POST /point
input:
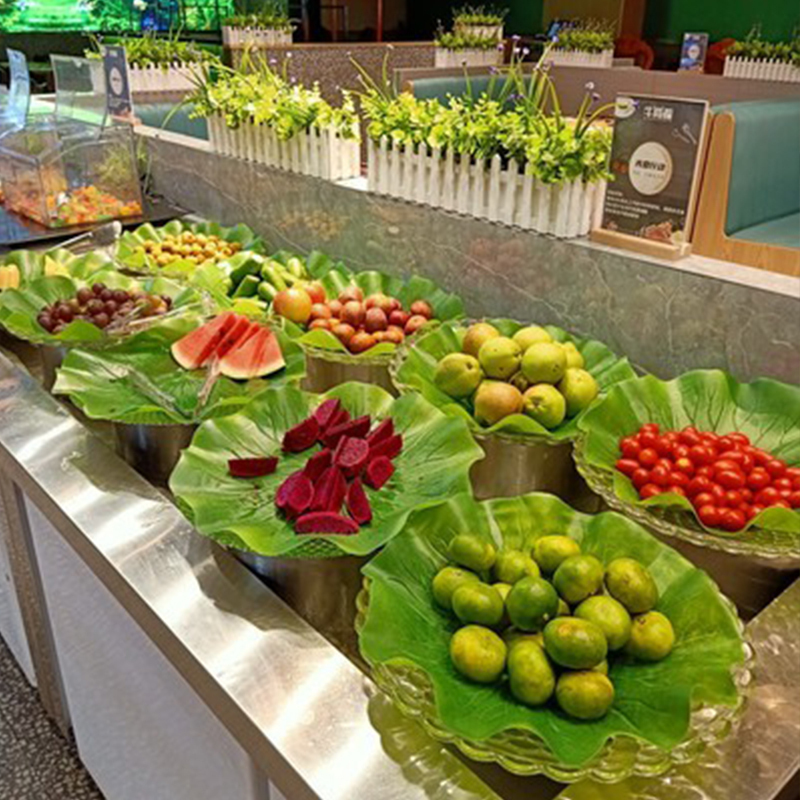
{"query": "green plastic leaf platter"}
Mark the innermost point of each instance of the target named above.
(433, 465)
(766, 410)
(138, 262)
(663, 712)
(414, 367)
(31, 264)
(335, 277)
(139, 382)
(19, 308)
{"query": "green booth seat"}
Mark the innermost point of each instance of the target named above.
(764, 193)
(156, 114)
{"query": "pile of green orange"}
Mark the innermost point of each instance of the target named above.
(551, 619)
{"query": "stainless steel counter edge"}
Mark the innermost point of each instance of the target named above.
(304, 713)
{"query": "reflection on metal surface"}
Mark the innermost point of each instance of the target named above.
(249, 656)
(52, 357)
(152, 450)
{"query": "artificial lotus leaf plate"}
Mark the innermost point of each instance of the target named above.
(335, 277)
(19, 308)
(765, 410)
(136, 261)
(433, 465)
(139, 382)
(651, 721)
(34, 264)
(415, 366)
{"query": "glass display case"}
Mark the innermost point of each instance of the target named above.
(64, 173)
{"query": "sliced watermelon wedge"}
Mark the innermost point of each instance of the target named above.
(241, 330)
(260, 355)
(196, 348)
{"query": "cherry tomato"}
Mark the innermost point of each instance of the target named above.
(690, 436)
(730, 479)
(747, 495)
(752, 512)
(678, 478)
(755, 510)
(768, 496)
(666, 463)
(725, 465)
(718, 493)
(796, 483)
(758, 479)
(781, 504)
(681, 451)
(785, 494)
(709, 515)
(648, 457)
(685, 465)
(706, 471)
(627, 466)
(776, 467)
(703, 499)
(794, 499)
(731, 519)
(741, 438)
(782, 484)
(733, 498)
(671, 436)
(660, 475)
(677, 490)
(640, 477)
(726, 443)
(650, 490)
(651, 427)
(744, 461)
(761, 457)
(629, 447)
(793, 473)
(698, 485)
(648, 439)
(745, 509)
(663, 446)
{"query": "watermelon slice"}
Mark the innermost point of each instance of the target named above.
(196, 348)
(241, 330)
(260, 355)
(325, 522)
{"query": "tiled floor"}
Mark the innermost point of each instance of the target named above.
(36, 762)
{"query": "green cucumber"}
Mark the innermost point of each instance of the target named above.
(248, 286)
(295, 267)
(266, 291)
(249, 266)
(269, 273)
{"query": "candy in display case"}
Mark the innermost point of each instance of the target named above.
(70, 173)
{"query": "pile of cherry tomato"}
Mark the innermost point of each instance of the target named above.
(726, 478)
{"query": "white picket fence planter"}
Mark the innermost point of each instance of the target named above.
(321, 154)
(580, 58)
(761, 69)
(467, 58)
(255, 37)
(175, 78)
(485, 189)
(480, 31)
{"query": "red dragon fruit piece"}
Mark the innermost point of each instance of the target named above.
(327, 412)
(330, 491)
(389, 447)
(252, 467)
(317, 464)
(325, 522)
(302, 436)
(378, 472)
(383, 431)
(284, 490)
(357, 503)
(351, 455)
(342, 416)
(357, 428)
(299, 497)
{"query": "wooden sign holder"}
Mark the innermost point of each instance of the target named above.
(647, 247)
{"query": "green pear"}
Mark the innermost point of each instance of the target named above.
(545, 404)
(579, 389)
(458, 375)
(574, 357)
(544, 363)
(477, 335)
(533, 334)
(495, 400)
(500, 357)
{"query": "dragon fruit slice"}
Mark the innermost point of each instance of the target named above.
(389, 447)
(325, 522)
(299, 497)
(329, 491)
(378, 472)
(383, 431)
(327, 412)
(357, 503)
(302, 436)
(285, 489)
(317, 464)
(357, 428)
(252, 467)
(351, 455)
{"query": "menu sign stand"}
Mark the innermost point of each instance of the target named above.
(693, 52)
(118, 87)
(656, 157)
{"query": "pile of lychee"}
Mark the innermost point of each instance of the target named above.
(359, 323)
(527, 373)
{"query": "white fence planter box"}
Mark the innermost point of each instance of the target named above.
(761, 69)
(580, 58)
(486, 189)
(255, 37)
(175, 78)
(479, 31)
(321, 154)
(467, 58)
